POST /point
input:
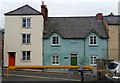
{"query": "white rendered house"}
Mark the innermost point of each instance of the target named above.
(23, 37)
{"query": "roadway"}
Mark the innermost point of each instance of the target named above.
(37, 76)
(27, 75)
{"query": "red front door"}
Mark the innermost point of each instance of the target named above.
(11, 58)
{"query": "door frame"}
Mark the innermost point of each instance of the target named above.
(73, 55)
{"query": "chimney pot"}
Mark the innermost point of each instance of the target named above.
(42, 2)
(111, 14)
(99, 16)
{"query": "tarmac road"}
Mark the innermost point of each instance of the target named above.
(38, 76)
(43, 76)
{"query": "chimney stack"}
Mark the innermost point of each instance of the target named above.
(99, 16)
(44, 11)
(111, 14)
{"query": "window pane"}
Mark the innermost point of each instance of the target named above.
(23, 38)
(23, 55)
(53, 57)
(28, 22)
(28, 38)
(53, 40)
(95, 58)
(57, 40)
(28, 52)
(91, 61)
(28, 57)
(24, 22)
(91, 40)
(57, 57)
(94, 39)
(24, 35)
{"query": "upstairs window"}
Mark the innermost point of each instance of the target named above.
(26, 38)
(92, 40)
(55, 40)
(26, 55)
(93, 60)
(26, 22)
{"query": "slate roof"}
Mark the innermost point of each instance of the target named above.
(74, 27)
(112, 20)
(24, 10)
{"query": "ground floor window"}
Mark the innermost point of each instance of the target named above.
(93, 60)
(55, 60)
(26, 55)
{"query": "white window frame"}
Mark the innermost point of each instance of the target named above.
(93, 40)
(93, 57)
(52, 40)
(27, 23)
(26, 39)
(26, 56)
(55, 60)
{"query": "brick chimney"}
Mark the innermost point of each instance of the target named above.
(44, 11)
(99, 16)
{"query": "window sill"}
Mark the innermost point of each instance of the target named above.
(93, 45)
(55, 45)
(25, 60)
(55, 64)
(26, 44)
(26, 27)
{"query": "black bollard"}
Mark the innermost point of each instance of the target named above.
(82, 76)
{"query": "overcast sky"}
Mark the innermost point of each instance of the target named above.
(63, 7)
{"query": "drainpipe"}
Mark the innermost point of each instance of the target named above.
(84, 53)
(107, 49)
(2, 53)
(118, 41)
(43, 51)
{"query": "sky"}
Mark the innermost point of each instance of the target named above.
(63, 8)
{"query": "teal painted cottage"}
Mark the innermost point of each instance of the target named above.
(74, 40)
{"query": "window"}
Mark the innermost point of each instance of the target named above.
(92, 40)
(55, 40)
(55, 60)
(93, 60)
(25, 55)
(26, 38)
(26, 22)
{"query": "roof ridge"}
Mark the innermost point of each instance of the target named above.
(16, 9)
(8, 13)
(75, 17)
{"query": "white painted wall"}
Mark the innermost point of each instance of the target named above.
(13, 39)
